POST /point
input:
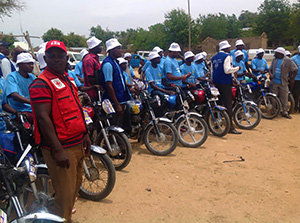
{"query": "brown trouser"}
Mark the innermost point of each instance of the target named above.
(66, 182)
(282, 93)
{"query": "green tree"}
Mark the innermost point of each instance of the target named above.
(247, 18)
(274, 19)
(74, 40)
(8, 6)
(295, 24)
(101, 34)
(234, 26)
(52, 34)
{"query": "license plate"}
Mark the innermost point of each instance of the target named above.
(214, 91)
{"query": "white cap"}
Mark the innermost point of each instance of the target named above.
(204, 55)
(153, 55)
(239, 42)
(280, 50)
(174, 47)
(188, 54)
(40, 56)
(25, 58)
(111, 44)
(260, 50)
(199, 56)
(157, 49)
(127, 55)
(299, 48)
(287, 53)
(122, 60)
(93, 42)
(238, 53)
(224, 44)
(83, 52)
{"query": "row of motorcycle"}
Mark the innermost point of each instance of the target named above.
(188, 116)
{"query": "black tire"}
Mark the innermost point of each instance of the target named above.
(45, 192)
(166, 143)
(195, 137)
(292, 103)
(102, 179)
(247, 120)
(271, 109)
(122, 159)
(218, 122)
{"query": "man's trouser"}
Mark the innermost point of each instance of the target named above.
(66, 182)
(296, 94)
(282, 93)
(124, 120)
(225, 99)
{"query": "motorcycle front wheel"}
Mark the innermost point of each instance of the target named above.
(100, 178)
(122, 150)
(218, 122)
(195, 134)
(164, 141)
(269, 108)
(248, 118)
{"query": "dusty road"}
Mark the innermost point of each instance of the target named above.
(196, 185)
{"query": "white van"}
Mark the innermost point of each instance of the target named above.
(269, 54)
(74, 58)
(144, 54)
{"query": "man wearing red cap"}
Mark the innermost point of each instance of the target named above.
(60, 127)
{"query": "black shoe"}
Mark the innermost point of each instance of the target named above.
(287, 116)
(233, 131)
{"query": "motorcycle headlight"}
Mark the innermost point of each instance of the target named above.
(107, 107)
(30, 167)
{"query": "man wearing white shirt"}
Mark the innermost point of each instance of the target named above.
(6, 66)
(222, 77)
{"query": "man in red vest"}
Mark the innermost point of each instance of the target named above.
(59, 127)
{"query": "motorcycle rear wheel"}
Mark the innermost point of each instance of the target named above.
(246, 120)
(291, 102)
(165, 143)
(122, 159)
(102, 177)
(195, 136)
(218, 122)
(271, 108)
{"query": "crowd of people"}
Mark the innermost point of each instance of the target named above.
(51, 102)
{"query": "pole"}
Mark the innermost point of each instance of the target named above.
(189, 11)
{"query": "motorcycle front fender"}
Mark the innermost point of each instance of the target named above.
(220, 108)
(190, 113)
(39, 216)
(98, 149)
(115, 129)
(272, 94)
(41, 166)
(250, 103)
(160, 119)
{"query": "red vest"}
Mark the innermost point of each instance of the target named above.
(67, 114)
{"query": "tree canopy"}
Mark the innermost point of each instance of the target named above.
(8, 6)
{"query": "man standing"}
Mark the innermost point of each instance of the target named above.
(296, 88)
(6, 66)
(114, 84)
(259, 64)
(222, 77)
(282, 73)
(129, 69)
(91, 65)
(59, 127)
(240, 45)
(17, 84)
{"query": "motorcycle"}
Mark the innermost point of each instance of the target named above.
(191, 127)
(246, 114)
(158, 134)
(205, 103)
(13, 179)
(102, 133)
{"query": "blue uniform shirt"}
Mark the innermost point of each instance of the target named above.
(171, 66)
(185, 69)
(200, 69)
(154, 75)
(73, 75)
(78, 69)
(259, 64)
(277, 75)
(245, 57)
(242, 70)
(15, 82)
(3, 100)
(296, 60)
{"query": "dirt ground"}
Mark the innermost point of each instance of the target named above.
(196, 185)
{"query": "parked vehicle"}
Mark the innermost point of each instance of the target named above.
(269, 54)
(144, 54)
(74, 58)
(205, 103)
(191, 127)
(158, 134)
(246, 114)
(135, 60)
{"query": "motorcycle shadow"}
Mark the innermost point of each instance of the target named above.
(103, 201)
(140, 148)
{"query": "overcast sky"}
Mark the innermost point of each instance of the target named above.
(116, 15)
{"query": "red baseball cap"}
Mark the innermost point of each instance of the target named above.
(56, 43)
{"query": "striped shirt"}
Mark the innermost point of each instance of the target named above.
(40, 93)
